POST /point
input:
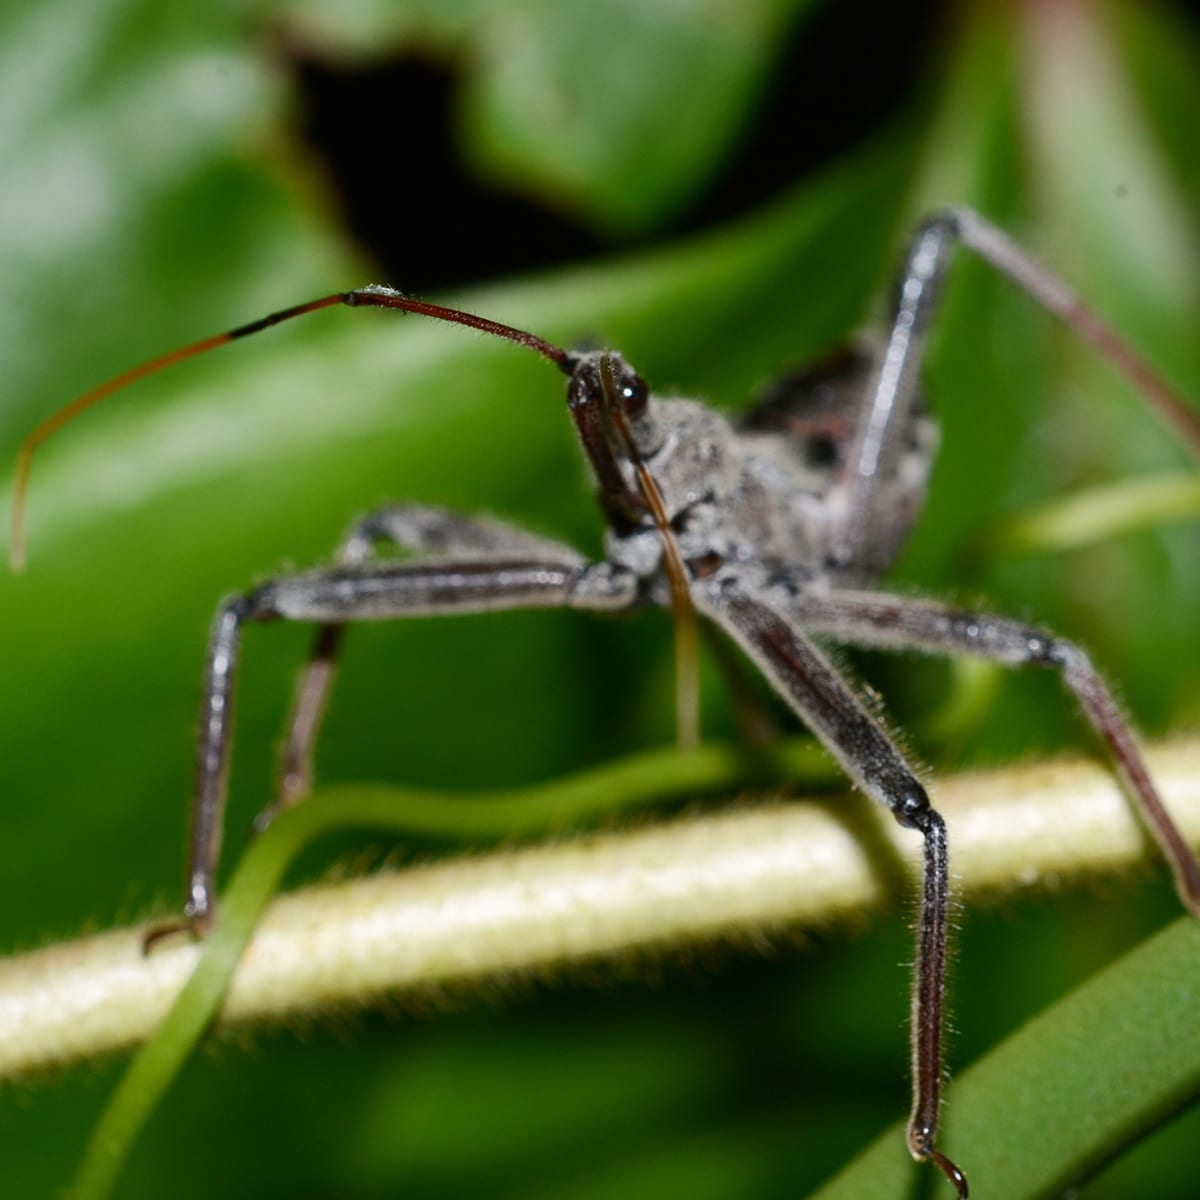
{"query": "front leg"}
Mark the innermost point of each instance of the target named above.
(900, 622)
(824, 701)
(374, 591)
(421, 529)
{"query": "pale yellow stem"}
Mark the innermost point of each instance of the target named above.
(729, 874)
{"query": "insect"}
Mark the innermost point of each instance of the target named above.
(771, 528)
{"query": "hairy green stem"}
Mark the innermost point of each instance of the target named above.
(542, 907)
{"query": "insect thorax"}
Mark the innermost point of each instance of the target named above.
(765, 490)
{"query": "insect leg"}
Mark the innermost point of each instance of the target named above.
(419, 529)
(370, 591)
(905, 623)
(889, 398)
(825, 702)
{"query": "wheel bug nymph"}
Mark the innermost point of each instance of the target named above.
(771, 528)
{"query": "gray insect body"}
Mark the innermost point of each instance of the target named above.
(765, 492)
(768, 526)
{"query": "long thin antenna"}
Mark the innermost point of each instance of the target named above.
(369, 297)
(687, 637)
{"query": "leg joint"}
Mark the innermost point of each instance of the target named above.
(1047, 650)
(602, 586)
(911, 806)
(259, 604)
(944, 223)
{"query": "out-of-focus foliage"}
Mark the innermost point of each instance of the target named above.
(153, 192)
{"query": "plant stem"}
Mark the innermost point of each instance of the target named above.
(541, 907)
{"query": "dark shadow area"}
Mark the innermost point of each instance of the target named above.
(384, 132)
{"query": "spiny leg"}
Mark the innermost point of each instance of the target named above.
(420, 529)
(376, 591)
(892, 391)
(825, 702)
(901, 622)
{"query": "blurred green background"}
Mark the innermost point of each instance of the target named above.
(718, 190)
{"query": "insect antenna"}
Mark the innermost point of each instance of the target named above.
(683, 611)
(369, 297)
(377, 296)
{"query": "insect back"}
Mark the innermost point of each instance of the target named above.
(817, 408)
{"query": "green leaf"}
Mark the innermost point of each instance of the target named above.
(620, 110)
(154, 192)
(614, 112)
(1052, 1104)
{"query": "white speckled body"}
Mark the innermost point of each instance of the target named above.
(761, 498)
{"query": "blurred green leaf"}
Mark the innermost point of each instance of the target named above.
(1053, 1103)
(153, 193)
(615, 111)
(621, 110)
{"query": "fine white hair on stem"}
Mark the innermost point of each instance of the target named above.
(472, 920)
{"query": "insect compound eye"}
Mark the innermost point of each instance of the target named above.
(634, 394)
(624, 388)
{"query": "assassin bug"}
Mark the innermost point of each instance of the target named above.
(770, 528)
